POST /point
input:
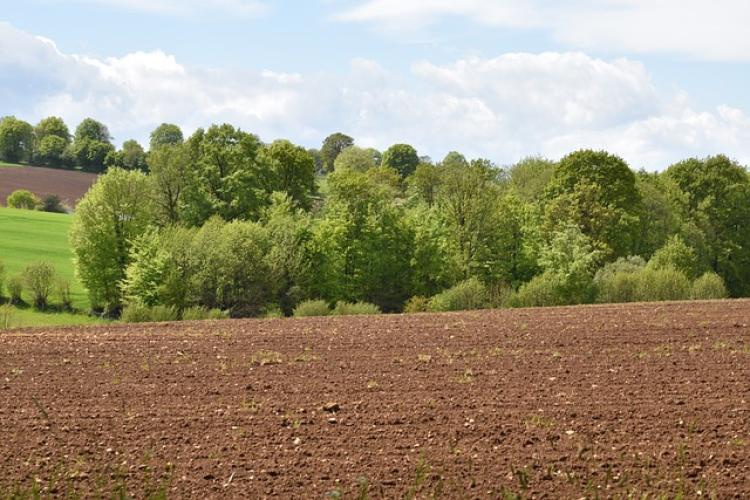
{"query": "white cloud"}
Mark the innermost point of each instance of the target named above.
(186, 7)
(501, 108)
(715, 30)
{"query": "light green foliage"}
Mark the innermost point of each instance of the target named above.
(333, 145)
(354, 158)
(618, 281)
(166, 134)
(466, 295)
(2, 277)
(661, 217)
(417, 304)
(312, 308)
(202, 313)
(362, 245)
(136, 313)
(170, 174)
(229, 170)
(662, 284)
(39, 279)
(424, 183)
(164, 313)
(596, 191)
(16, 140)
(546, 289)
(676, 254)
(530, 176)
(15, 289)
(709, 286)
(571, 259)
(292, 172)
(52, 138)
(62, 293)
(714, 197)
(344, 308)
(387, 177)
(23, 199)
(401, 157)
(115, 211)
(433, 267)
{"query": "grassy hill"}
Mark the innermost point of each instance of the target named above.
(29, 236)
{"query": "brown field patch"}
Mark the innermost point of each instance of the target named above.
(69, 185)
(603, 401)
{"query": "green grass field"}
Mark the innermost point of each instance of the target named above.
(27, 236)
(9, 165)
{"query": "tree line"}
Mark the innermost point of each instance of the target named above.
(221, 220)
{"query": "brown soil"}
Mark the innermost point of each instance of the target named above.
(69, 185)
(604, 401)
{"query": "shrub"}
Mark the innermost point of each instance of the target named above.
(52, 203)
(619, 287)
(6, 316)
(23, 199)
(545, 289)
(2, 277)
(195, 313)
(662, 284)
(62, 289)
(709, 286)
(15, 289)
(164, 313)
(312, 308)
(217, 313)
(273, 311)
(354, 308)
(499, 295)
(467, 295)
(630, 264)
(39, 278)
(136, 313)
(677, 255)
(417, 304)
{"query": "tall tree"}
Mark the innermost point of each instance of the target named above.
(403, 158)
(169, 167)
(114, 212)
(16, 140)
(52, 138)
(333, 145)
(166, 134)
(354, 158)
(292, 172)
(92, 144)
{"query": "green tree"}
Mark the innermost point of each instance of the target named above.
(169, 167)
(530, 176)
(16, 140)
(90, 129)
(229, 170)
(714, 198)
(597, 192)
(91, 145)
(292, 172)
(424, 183)
(52, 137)
(115, 211)
(677, 255)
(354, 158)
(403, 158)
(166, 134)
(133, 156)
(333, 145)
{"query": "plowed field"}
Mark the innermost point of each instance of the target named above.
(69, 185)
(602, 401)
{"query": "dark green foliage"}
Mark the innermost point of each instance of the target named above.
(402, 157)
(332, 147)
(52, 138)
(166, 134)
(91, 145)
(52, 203)
(16, 140)
(292, 172)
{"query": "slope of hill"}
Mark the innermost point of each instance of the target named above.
(69, 185)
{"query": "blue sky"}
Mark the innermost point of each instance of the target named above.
(652, 81)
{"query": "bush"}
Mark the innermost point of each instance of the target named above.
(467, 295)
(543, 290)
(417, 304)
(164, 313)
(312, 308)
(23, 199)
(619, 287)
(195, 313)
(62, 289)
(39, 278)
(709, 286)
(136, 313)
(354, 309)
(662, 284)
(678, 255)
(2, 277)
(273, 311)
(6, 316)
(15, 289)
(52, 203)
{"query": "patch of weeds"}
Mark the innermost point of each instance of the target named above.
(739, 442)
(424, 358)
(720, 345)
(306, 357)
(251, 404)
(372, 384)
(538, 421)
(467, 377)
(522, 476)
(263, 358)
(496, 352)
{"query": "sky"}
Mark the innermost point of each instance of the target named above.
(653, 81)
